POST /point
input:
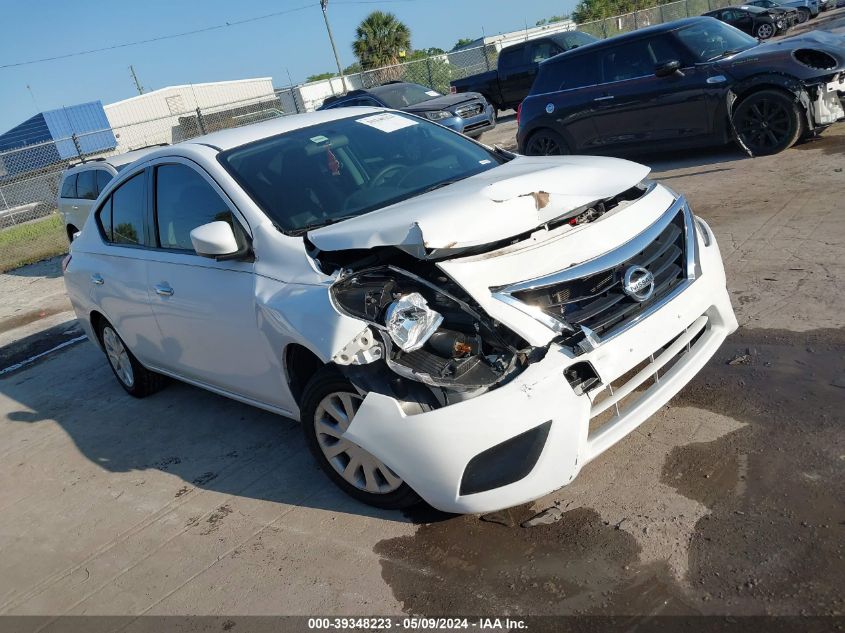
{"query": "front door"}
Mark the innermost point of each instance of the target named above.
(635, 107)
(205, 309)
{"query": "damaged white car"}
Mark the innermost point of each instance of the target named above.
(449, 322)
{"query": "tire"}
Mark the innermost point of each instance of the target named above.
(546, 142)
(767, 122)
(326, 403)
(71, 229)
(765, 31)
(803, 15)
(136, 380)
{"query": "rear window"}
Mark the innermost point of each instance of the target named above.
(567, 73)
(69, 187)
(511, 56)
(86, 185)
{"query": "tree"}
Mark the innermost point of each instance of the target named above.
(552, 20)
(589, 10)
(320, 77)
(464, 41)
(380, 39)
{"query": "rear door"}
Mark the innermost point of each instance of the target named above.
(634, 106)
(205, 309)
(118, 272)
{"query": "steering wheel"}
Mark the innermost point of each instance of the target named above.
(383, 173)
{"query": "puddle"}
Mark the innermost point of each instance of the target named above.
(771, 540)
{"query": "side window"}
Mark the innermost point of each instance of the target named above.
(664, 49)
(86, 185)
(103, 178)
(635, 59)
(510, 57)
(122, 215)
(368, 101)
(574, 72)
(184, 200)
(69, 187)
(543, 50)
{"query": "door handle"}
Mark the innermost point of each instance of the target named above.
(97, 279)
(163, 290)
(74, 206)
(604, 98)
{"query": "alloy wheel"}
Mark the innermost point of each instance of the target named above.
(357, 467)
(118, 357)
(543, 145)
(765, 31)
(765, 125)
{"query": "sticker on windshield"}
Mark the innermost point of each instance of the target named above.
(387, 121)
(319, 139)
(432, 93)
(486, 161)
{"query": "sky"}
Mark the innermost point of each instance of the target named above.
(294, 42)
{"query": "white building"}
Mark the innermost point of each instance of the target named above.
(169, 115)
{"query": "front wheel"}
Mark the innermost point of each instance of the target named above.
(329, 404)
(546, 142)
(765, 31)
(767, 122)
(803, 15)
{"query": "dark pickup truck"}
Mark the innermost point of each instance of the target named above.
(510, 83)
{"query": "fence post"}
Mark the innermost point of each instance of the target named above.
(486, 56)
(686, 6)
(636, 21)
(295, 100)
(663, 17)
(200, 121)
(76, 144)
(428, 68)
(604, 28)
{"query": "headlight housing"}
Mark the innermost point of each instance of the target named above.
(429, 334)
(438, 115)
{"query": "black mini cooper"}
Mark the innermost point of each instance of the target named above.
(687, 83)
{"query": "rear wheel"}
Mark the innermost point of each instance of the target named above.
(765, 31)
(767, 122)
(137, 380)
(329, 404)
(546, 142)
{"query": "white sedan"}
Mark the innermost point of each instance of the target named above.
(448, 321)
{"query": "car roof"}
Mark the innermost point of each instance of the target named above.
(235, 137)
(116, 161)
(646, 31)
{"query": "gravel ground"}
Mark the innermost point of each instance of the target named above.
(728, 501)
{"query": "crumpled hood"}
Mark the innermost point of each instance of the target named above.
(494, 205)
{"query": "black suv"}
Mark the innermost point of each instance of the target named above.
(687, 83)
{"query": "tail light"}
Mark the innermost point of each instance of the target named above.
(453, 90)
(518, 112)
(66, 263)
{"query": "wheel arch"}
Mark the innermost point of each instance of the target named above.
(300, 365)
(786, 84)
(97, 318)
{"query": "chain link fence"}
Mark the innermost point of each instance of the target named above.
(30, 176)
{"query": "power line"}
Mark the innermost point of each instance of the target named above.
(159, 38)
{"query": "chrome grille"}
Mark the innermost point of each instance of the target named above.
(591, 295)
(467, 111)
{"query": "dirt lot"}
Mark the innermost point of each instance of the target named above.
(731, 500)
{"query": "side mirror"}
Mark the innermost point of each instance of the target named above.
(667, 69)
(216, 240)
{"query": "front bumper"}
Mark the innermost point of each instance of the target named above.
(431, 451)
(475, 125)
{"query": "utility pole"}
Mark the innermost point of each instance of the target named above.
(324, 5)
(138, 85)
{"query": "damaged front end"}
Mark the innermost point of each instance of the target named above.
(424, 332)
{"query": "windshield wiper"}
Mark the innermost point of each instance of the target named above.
(318, 225)
(730, 51)
(440, 185)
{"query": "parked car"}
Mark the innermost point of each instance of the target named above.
(788, 14)
(467, 113)
(687, 83)
(507, 85)
(82, 183)
(756, 21)
(448, 321)
(806, 8)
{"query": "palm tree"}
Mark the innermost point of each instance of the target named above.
(379, 39)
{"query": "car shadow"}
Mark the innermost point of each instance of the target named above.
(208, 442)
(703, 157)
(49, 268)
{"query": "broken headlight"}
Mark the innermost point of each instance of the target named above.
(429, 334)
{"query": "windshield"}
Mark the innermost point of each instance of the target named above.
(574, 39)
(400, 96)
(709, 39)
(325, 173)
